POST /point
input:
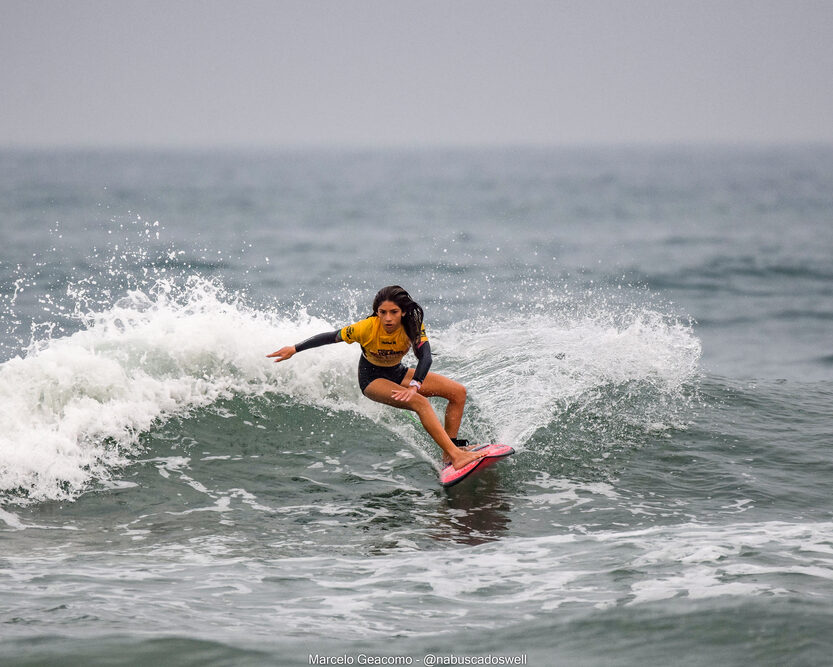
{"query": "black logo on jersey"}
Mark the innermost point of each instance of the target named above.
(388, 353)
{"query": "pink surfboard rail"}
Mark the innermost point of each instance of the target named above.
(494, 453)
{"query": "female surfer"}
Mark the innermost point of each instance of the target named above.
(385, 337)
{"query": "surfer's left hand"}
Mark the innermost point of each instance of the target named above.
(405, 394)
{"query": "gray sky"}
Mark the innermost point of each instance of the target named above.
(392, 73)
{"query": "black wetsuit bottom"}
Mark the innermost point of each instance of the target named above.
(369, 372)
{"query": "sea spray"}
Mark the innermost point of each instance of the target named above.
(523, 371)
(76, 406)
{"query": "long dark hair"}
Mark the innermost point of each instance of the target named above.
(411, 311)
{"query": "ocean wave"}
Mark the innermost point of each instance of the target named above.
(529, 371)
(351, 597)
(75, 406)
(746, 275)
(78, 405)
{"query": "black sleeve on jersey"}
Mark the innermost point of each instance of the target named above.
(319, 340)
(423, 353)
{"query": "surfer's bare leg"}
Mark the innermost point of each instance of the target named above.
(453, 392)
(380, 390)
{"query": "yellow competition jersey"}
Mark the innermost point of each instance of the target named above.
(378, 347)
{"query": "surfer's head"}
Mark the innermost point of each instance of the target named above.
(410, 311)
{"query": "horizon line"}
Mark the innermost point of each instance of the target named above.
(412, 147)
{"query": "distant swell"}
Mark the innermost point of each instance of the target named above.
(734, 274)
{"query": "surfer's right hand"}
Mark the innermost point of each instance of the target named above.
(283, 354)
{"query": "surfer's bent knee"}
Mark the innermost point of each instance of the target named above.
(418, 403)
(457, 392)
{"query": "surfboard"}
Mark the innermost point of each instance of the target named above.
(494, 453)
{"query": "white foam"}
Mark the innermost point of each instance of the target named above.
(524, 370)
(11, 520)
(74, 407)
(372, 595)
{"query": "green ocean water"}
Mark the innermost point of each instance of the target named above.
(649, 328)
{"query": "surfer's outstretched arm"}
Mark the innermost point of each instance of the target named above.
(325, 338)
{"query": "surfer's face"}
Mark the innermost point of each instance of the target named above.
(391, 316)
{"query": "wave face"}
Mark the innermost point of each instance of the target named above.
(80, 404)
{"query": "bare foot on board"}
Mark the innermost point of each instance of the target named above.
(463, 458)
